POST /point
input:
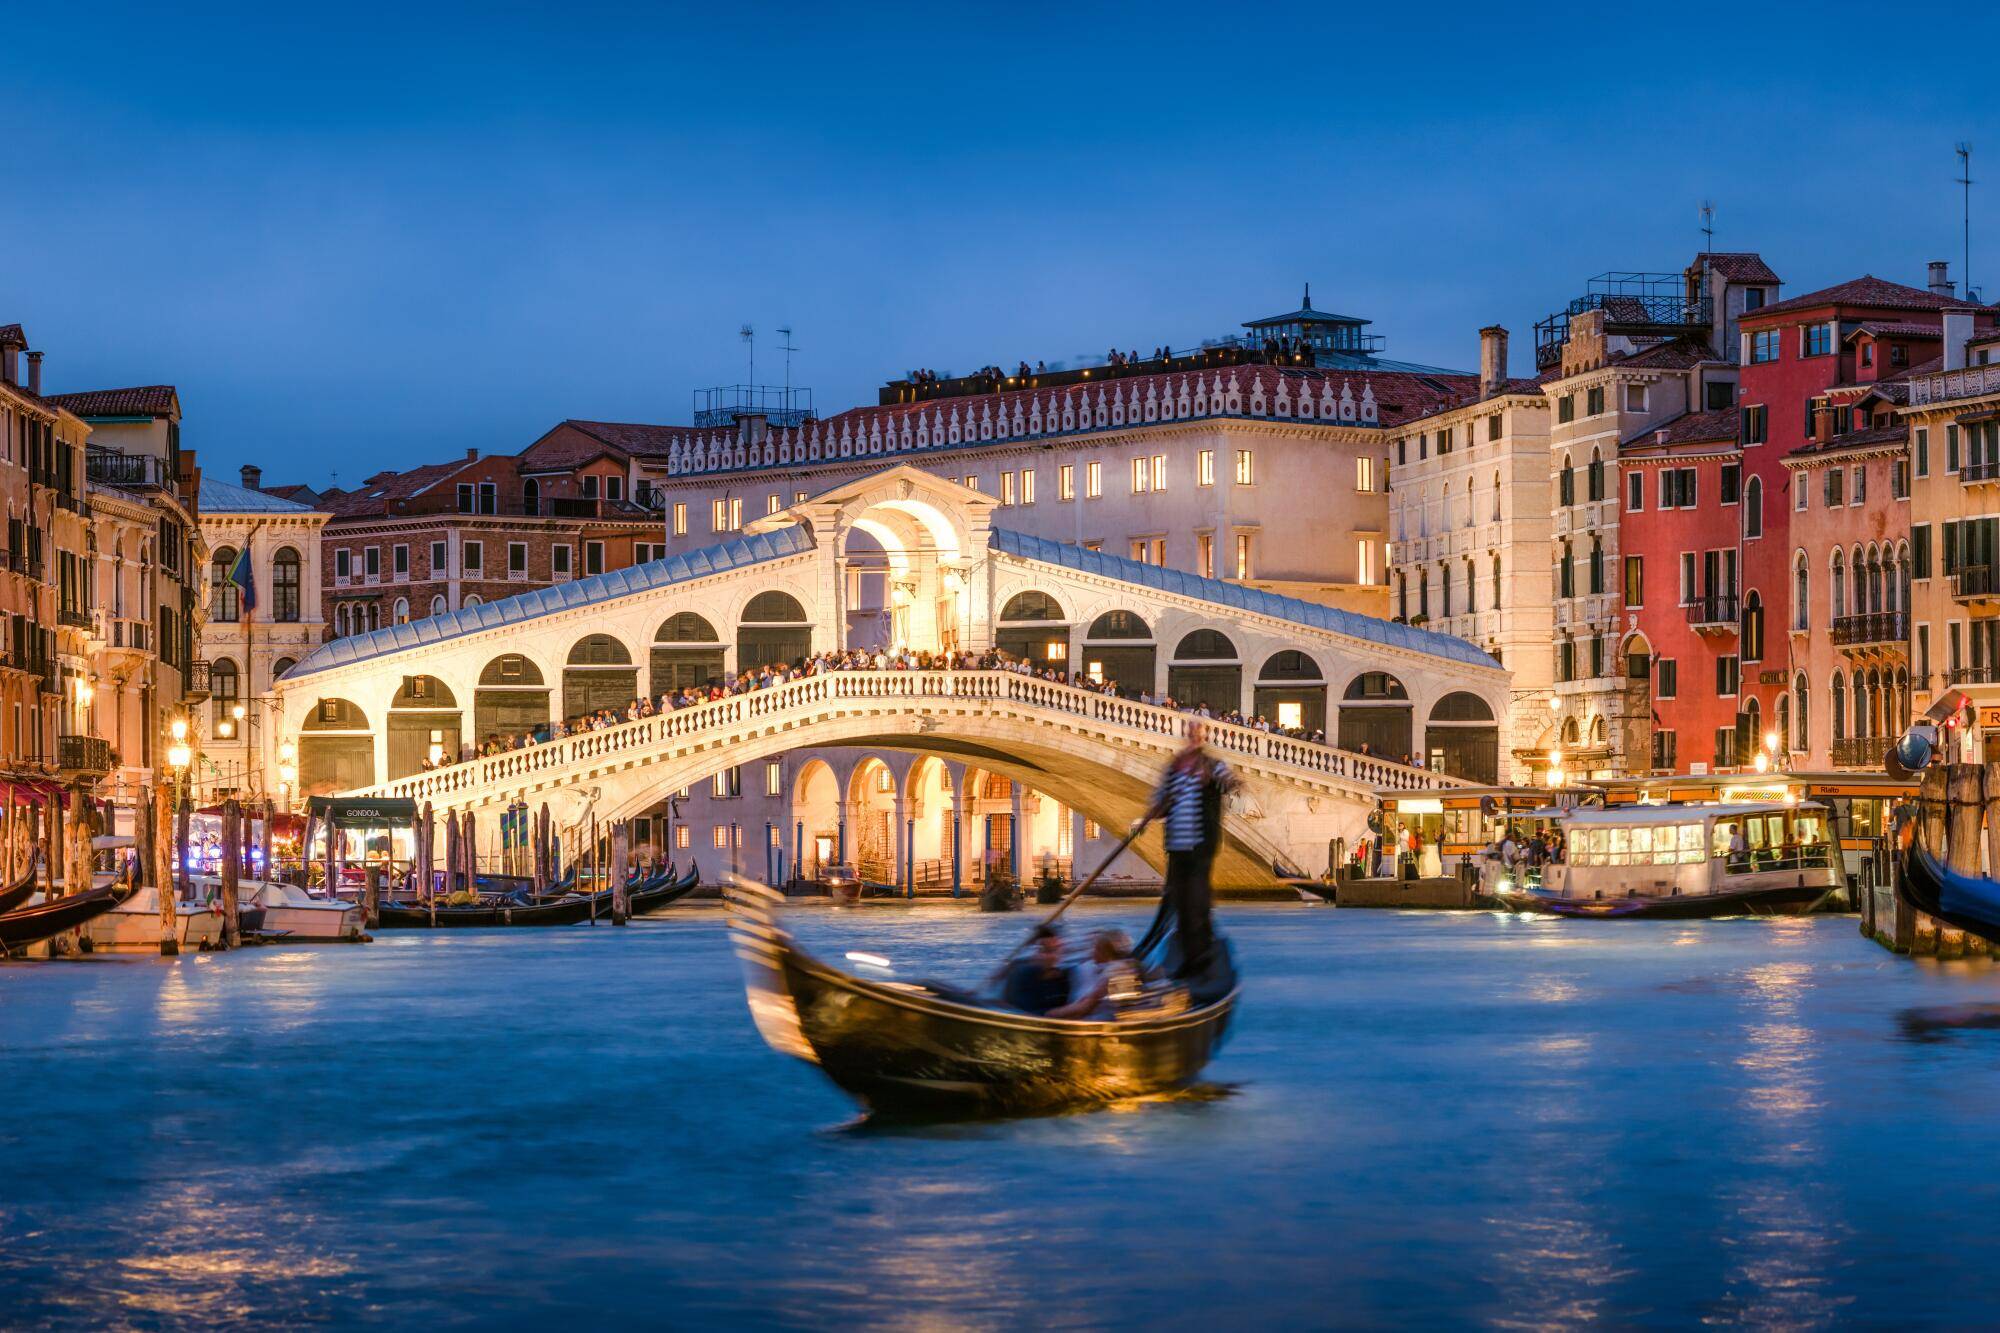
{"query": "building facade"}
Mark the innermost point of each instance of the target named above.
(35, 434)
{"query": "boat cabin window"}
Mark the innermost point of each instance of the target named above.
(1657, 845)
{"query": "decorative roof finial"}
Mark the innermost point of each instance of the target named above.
(1309, 297)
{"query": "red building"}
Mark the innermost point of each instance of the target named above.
(1684, 516)
(1805, 362)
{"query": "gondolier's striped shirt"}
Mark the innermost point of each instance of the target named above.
(1180, 793)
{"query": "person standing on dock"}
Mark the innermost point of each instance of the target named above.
(1189, 802)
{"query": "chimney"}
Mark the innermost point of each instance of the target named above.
(1957, 333)
(10, 364)
(253, 477)
(1941, 283)
(472, 455)
(1492, 360)
(34, 372)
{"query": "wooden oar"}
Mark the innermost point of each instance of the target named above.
(1073, 895)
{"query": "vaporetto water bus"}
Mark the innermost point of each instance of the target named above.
(1749, 858)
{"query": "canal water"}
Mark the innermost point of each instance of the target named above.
(1458, 1119)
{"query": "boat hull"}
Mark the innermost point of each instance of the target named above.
(134, 926)
(31, 925)
(901, 1048)
(1969, 902)
(1777, 900)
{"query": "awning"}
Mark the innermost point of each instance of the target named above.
(358, 812)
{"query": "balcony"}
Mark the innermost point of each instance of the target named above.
(1969, 675)
(1974, 583)
(1974, 472)
(1652, 305)
(120, 635)
(84, 755)
(75, 617)
(137, 472)
(1877, 629)
(1860, 751)
(1972, 382)
(1716, 612)
(194, 681)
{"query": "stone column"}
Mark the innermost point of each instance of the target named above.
(1015, 837)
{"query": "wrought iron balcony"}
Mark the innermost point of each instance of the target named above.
(1973, 472)
(84, 754)
(1716, 611)
(109, 467)
(1646, 304)
(1974, 583)
(78, 617)
(194, 681)
(1969, 675)
(1871, 629)
(1860, 751)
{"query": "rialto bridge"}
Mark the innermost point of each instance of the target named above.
(372, 713)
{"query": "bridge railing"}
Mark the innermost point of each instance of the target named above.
(646, 733)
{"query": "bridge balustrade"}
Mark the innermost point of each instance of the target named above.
(647, 733)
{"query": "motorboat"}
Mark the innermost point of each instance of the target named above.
(1668, 860)
(133, 925)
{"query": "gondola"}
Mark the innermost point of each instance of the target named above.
(662, 890)
(406, 914)
(19, 892)
(31, 925)
(925, 1047)
(1969, 902)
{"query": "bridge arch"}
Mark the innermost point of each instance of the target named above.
(511, 699)
(598, 673)
(1206, 670)
(687, 652)
(1291, 691)
(1376, 715)
(336, 748)
(424, 719)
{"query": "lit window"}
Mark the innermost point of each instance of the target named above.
(680, 518)
(1204, 555)
(1364, 561)
(721, 836)
(1246, 468)
(1159, 472)
(1242, 555)
(1090, 829)
(1093, 480)
(1027, 485)
(1142, 477)
(1204, 468)
(1066, 482)
(771, 503)
(774, 778)
(1006, 488)
(682, 838)
(1364, 474)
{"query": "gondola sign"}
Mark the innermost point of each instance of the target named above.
(373, 814)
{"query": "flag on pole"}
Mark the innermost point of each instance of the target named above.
(239, 574)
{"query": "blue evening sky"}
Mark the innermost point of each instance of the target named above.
(363, 236)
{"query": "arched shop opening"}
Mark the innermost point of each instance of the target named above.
(599, 674)
(871, 822)
(336, 749)
(1375, 716)
(686, 652)
(928, 803)
(424, 726)
(512, 699)
(773, 630)
(1205, 672)
(816, 819)
(1291, 692)
(1118, 650)
(1462, 740)
(1032, 628)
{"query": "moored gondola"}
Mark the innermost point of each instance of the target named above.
(18, 892)
(1969, 902)
(903, 1046)
(405, 914)
(662, 890)
(32, 925)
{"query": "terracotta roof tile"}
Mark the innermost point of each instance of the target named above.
(146, 400)
(1895, 328)
(1739, 265)
(1719, 425)
(12, 336)
(1677, 354)
(1867, 290)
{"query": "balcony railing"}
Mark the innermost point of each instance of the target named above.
(1973, 581)
(1973, 471)
(1972, 382)
(194, 681)
(109, 467)
(1860, 751)
(120, 632)
(77, 617)
(1874, 627)
(1715, 611)
(84, 754)
(1969, 675)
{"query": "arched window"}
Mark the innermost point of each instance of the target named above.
(1753, 508)
(1596, 475)
(1498, 600)
(1205, 645)
(686, 627)
(1566, 572)
(1119, 625)
(1444, 588)
(281, 666)
(1496, 497)
(1836, 605)
(1596, 564)
(472, 599)
(1801, 717)
(437, 604)
(1784, 725)
(1753, 627)
(225, 598)
(402, 613)
(1031, 605)
(774, 608)
(1471, 587)
(1566, 483)
(374, 615)
(225, 689)
(340, 621)
(285, 586)
(531, 497)
(1839, 707)
(1801, 591)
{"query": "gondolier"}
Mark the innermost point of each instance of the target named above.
(1188, 802)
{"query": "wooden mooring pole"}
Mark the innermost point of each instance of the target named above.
(161, 837)
(1958, 821)
(621, 851)
(232, 871)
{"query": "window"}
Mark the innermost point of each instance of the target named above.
(1726, 676)
(225, 596)
(1027, 485)
(437, 605)
(1635, 398)
(1142, 477)
(728, 782)
(1593, 402)
(343, 566)
(1920, 550)
(371, 563)
(972, 483)
(681, 837)
(1923, 652)
(774, 777)
(1242, 555)
(1921, 447)
(1689, 588)
(1246, 468)
(1816, 340)
(1093, 480)
(1566, 485)
(1596, 566)
(614, 488)
(517, 560)
(1951, 448)
(1493, 426)
(285, 584)
(1678, 489)
(1159, 471)
(401, 614)
(473, 557)
(1635, 492)
(1860, 480)
(1364, 561)
(680, 518)
(1833, 484)
(772, 504)
(1756, 424)
(559, 561)
(1763, 346)
(1566, 408)
(1364, 474)
(1006, 488)
(1753, 509)
(1732, 483)
(465, 497)
(720, 835)
(1668, 671)
(590, 486)
(1595, 476)
(1721, 395)
(1867, 353)
(725, 515)
(1204, 555)
(399, 561)
(438, 559)
(1066, 482)
(593, 557)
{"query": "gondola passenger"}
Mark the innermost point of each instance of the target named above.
(1041, 981)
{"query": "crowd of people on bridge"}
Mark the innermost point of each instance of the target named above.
(860, 659)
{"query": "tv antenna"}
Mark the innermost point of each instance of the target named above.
(1708, 225)
(1964, 151)
(749, 336)
(785, 346)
